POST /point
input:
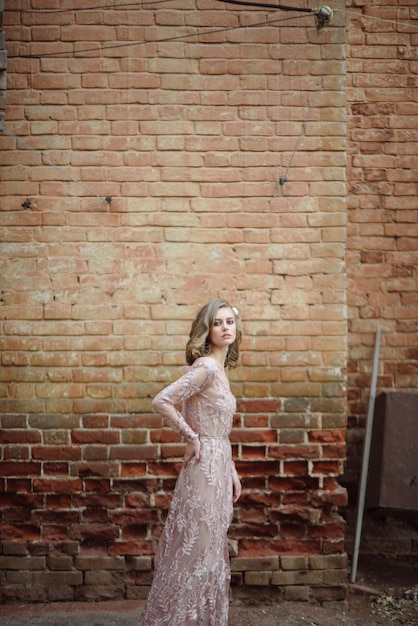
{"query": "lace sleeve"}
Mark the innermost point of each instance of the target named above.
(186, 386)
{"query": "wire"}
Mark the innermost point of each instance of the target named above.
(104, 6)
(283, 178)
(378, 19)
(323, 16)
(145, 41)
(264, 5)
(60, 169)
(238, 2)
(152, 2)
(324, 10)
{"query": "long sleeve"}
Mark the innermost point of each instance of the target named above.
(186, 386)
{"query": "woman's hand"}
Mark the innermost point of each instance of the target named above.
(192, 450)
(236, 487)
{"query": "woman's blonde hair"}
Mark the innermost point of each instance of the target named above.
(199, 342)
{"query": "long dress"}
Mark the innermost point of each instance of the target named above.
(192, 572)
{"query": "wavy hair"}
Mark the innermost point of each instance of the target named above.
(199, 343)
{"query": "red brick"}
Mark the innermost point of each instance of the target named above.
(296, 497)
(100, 469)
(328, 436)
(124, 485)
(53, 533)
(328, 530)
(337, 497)
(326, 468)
(58, 501)
(107, 501)
(169, 451)
(19, 485)
(54, 517)
(256, 421)
(56, 486)
(20, 436)
(254, 452)
(18, 453)
(55, 469)
(136, 421)
(294, 452)
(24, 468)
(133, 469)
(334, 452)
(95, 421)
(97, 484)
(20, 532)
(258, 406)
(248, 530)
(252, 436)
(55, 453)
(137, 500)
(131, 517)
(295, 468)
(104, 532)
(300, 483)
(104, 437)
(134, 532)
(164, 435)
(95, 453)
(22, 500)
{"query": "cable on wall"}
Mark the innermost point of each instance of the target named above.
(45, 160)
(322, 16)
(148, 41)
(377, 19)
(267, 5)
(283, 178)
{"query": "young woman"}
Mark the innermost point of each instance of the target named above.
(192, 573)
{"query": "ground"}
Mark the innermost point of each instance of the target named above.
(384, 594)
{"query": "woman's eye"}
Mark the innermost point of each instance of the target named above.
(218, 322)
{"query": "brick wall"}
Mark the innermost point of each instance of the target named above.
(382, 240)
(3, 68)
(189, 137)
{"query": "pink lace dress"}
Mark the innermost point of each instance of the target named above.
(192, 574)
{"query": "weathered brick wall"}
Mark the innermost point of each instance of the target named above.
(189, 137)
(3, 68)
(383, 234)
(382, 241)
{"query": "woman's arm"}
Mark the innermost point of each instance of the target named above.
(175, 394)
(236, 484)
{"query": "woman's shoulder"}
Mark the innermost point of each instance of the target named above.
(207, 362)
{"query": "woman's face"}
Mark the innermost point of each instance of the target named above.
(224, 329)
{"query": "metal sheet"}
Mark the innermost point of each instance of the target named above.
(393, 468)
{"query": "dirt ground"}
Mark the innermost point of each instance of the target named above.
(383, 595)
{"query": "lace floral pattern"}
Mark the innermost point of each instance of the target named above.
(192, 574)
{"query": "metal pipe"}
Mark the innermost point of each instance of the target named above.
(366, 456)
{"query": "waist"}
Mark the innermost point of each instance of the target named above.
(225, 437)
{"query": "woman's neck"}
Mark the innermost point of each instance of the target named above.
(219, 356)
